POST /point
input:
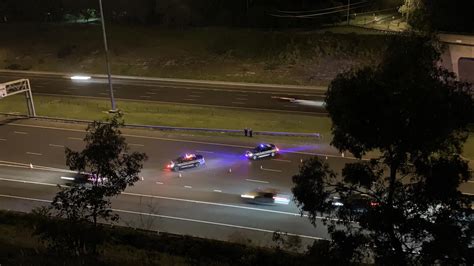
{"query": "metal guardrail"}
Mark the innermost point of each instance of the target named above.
(169, 128)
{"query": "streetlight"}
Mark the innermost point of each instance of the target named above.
(348, 10)
(109, 76)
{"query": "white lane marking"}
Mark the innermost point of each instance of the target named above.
(217, 190)
(214, 223)
(270, 170)
(145, 96)
(3, 139)
(136, 144)
(187, 99)
(257, 181)
(237, 102)
(37, 167)
(33, 153)
(470, 194)
(169, 198)
(189, 141)
(25, 198)
(175, 218)
(204, 151)
(470, 181)
(241, 99)
(56, 145)
(188, 186)
(282, 160)
(73, 138)
(159, 183)
(142, 178)
(20, 132)
(67, 178)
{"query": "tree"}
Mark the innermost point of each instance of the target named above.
(111, 168)
(415, 115)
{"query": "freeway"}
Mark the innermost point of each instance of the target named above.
(216, 94)
(203, 201)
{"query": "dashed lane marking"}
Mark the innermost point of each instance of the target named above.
(188, 186)
(34, 153)
(73, 138)
(56, 145)
(159, 183)
(136, 144)
(282, 160)
(20, 132)
(3, 139)
(270, 170)
(204, 151)
(217, 190)
(257, 181)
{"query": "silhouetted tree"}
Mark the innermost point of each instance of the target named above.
(415, 115)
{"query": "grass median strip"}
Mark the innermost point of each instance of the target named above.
(177, 115)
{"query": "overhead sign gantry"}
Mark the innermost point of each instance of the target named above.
(19, 86)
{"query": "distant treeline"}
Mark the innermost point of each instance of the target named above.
(179, 13)
(445, 15)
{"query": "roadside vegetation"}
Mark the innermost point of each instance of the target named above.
(227, 54)
(21, 245)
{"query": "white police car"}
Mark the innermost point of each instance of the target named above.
(186, 161)
(262, 150)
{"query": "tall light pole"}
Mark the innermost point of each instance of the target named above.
(109, 76)
(348, 10)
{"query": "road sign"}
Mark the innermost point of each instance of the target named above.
(3, 91)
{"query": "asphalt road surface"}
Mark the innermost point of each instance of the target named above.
(204, 201)
(217, 95)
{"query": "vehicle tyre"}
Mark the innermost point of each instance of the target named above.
(254, 157)
(273, 154)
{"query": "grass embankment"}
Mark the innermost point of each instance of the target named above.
(126, 246)
(286, 57)
(181, 116)
(170, 114)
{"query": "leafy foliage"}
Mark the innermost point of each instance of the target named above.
(109, 168)
(416, 116)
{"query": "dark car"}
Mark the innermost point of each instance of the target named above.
(355, 203)
(262, 150)
(265, 196)
(186, 161)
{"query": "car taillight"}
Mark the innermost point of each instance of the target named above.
(374, 204)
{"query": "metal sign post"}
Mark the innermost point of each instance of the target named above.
(16, 87)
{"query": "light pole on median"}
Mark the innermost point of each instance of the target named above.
(109, 76)
(348, 10)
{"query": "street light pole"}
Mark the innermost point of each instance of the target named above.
(348, 10)
(109, 76)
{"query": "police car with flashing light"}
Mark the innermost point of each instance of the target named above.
(262, 150)
(186, 161)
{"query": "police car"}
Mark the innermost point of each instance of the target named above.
(186, 161)
(262, 150)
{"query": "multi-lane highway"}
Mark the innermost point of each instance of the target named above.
(217, 94)
(206, 200)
